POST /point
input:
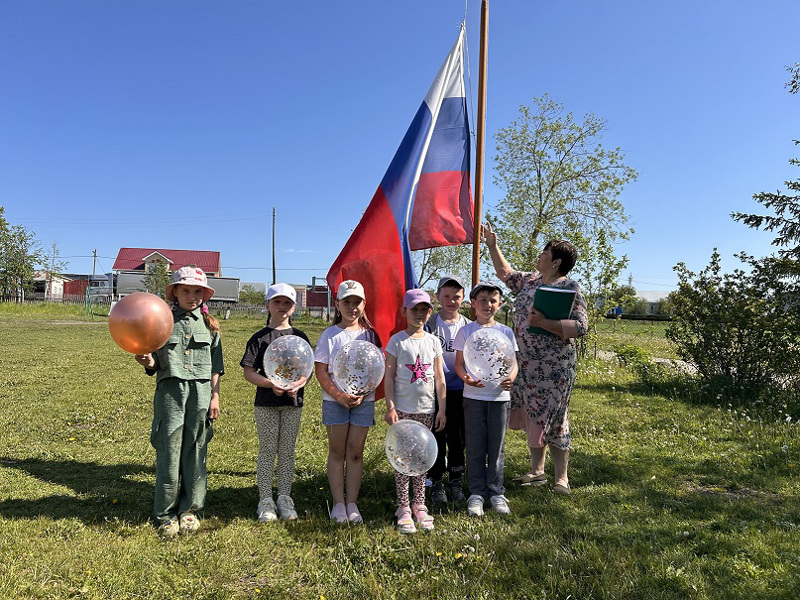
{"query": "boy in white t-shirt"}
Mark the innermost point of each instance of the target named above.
(445, 325)
(414, 380)
(486, 409)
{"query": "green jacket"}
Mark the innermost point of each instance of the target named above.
(192, 352)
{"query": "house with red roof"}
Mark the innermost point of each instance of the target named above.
(132, 264)
(139, 260)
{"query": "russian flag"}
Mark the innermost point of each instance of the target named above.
(423, 201)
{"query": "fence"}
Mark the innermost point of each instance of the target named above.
(227, 310)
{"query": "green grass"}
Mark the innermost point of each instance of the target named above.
(650, 335)
(671, 500)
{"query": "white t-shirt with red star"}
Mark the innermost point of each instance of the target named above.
(414, 390)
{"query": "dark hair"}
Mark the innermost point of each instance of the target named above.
(566, 252)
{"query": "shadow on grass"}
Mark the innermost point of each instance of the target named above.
(103, 491)
(106, 492)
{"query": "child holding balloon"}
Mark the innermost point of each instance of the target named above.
(347, 418)
(415, 384)
(445, 326)
(277, 409)
(485, 408)
(188, 369)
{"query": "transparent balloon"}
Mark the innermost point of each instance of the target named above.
(489, 356)
(410, 447)
(358, 368)
(288, 361)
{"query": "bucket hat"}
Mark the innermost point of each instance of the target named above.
(189, 276)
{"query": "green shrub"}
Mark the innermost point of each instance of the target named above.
(631, 355)
(739, 330)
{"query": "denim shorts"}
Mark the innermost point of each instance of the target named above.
(362, 415)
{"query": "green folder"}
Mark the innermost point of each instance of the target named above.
(553, 303)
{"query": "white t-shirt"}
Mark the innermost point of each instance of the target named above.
(446, 332)
(414, 390)
(491, 390)
(330, 342)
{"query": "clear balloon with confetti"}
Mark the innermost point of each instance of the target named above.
(288, 361)
(410, 447)
(358, 368)
(489, 356)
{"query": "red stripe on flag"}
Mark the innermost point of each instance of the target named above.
(373, 257)
(442, 214)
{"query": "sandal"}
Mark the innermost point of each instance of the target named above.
(169, 528)
(531, 479)
(563, 490)
(423, 519)
(404, 522)
(189, 522)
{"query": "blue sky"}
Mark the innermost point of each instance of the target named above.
(181, 124)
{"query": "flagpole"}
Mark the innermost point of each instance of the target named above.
(479, 144)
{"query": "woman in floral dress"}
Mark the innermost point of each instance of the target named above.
(548, 363)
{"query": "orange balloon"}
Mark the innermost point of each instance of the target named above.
(140, 323)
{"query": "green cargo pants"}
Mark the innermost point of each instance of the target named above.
(180, 434)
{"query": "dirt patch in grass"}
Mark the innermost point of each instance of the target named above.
(732, 493)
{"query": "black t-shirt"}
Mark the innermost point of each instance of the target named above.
(254, 357)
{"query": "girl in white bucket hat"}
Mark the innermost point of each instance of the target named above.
(188, 369)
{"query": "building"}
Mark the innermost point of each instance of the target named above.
(132, 264)
(141, 259)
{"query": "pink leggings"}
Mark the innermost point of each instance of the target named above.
(417, 482)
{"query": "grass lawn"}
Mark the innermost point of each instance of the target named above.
(650, 335)
(670, 500)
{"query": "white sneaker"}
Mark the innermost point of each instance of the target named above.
(286, 508)
(266, 510)
(475, 506)
(500, 504)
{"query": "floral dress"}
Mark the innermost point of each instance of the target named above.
(547, 365)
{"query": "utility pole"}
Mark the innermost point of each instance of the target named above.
(94, 261)
(274, 280)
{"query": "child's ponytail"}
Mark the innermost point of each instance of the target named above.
(210, 320)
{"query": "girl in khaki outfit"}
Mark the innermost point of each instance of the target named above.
(186, 401)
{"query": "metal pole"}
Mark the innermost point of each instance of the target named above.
(479, 143)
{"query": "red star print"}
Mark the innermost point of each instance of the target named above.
(418, 370)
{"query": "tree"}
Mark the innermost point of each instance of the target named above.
(742, 328)
(560, 182)
(157, 278)
(624, 296)
(597, 270)
(667, 305)
(19, 255)
(433, 263)
(53, 267)
(794, 83)
(786, 220)
(249, 294)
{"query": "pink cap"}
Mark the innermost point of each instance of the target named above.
(414, 297)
